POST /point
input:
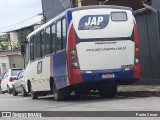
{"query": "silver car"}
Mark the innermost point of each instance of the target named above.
(18, 85)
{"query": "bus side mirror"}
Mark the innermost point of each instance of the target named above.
(22, 49)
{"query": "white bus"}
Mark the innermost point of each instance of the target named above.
(83, 49)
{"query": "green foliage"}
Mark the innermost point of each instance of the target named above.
(6, 43)
(3, 47)
(2, 38)
(22, 34)
(3, 43)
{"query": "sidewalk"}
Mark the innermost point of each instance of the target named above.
(139, 90)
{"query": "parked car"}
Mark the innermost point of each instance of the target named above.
(19, 85)
(8, 79)
(1, 76)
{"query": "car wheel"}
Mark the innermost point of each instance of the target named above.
(1, 91)
(34, 95)
(24, 93)
(9, 90)
(15, 93)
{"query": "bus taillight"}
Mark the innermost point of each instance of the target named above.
(74, 58)
(136, 43)
(137, 55)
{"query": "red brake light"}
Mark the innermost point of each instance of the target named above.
(74, 58)
(11, 79)
(73, 53)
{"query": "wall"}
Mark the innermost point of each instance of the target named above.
(4, 63)
(149, 38)
(16, 61)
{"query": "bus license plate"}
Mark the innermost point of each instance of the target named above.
(108, 76)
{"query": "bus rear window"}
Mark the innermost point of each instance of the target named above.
(119, 16)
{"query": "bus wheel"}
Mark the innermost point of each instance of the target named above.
(34, 95)
(108, 91)
(61, 94)
(57, 94)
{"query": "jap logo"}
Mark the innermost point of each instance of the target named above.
(91, 22)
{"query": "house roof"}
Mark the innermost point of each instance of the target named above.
(9, 53)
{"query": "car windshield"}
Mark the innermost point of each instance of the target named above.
(15, 72)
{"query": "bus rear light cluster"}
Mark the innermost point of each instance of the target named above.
(74, 58)
(137, 55)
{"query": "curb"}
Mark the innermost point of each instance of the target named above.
(138, 93)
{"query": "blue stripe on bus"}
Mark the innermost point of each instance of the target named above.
(69, 17)
(119, 74)
(59, 69)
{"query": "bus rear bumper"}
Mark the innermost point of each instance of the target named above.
(104, 75)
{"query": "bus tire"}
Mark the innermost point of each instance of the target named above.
(15, 93)
(108, 91)
(24, 93)
(56, 92)
(61, 94)
(34, 95)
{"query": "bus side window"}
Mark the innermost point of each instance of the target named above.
(27, 53)
(59, 37)
(64, 35)
(42, 43)
(48, 40)
(35, 48)
(53, 37)
(32, 48)
(38, 45)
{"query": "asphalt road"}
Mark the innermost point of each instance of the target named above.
(85, 103)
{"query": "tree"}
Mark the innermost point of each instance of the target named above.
(22, 34)
(3, 43)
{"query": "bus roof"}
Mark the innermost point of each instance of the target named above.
(101, 6)
(76, 9)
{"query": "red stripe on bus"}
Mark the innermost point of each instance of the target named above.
(74, 75)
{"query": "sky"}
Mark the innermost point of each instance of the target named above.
(13, 12)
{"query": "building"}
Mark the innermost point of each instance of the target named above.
(147, 13)
(11, 59)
